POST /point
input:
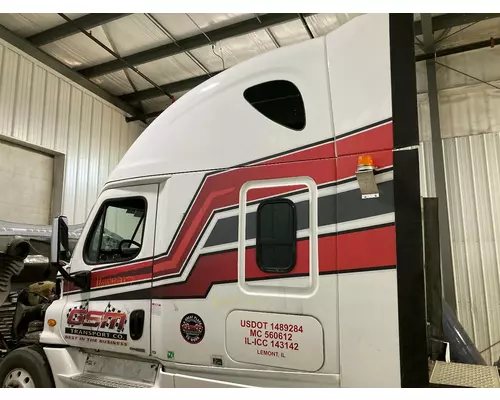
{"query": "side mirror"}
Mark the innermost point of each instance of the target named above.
(59, 246)
(60, 254)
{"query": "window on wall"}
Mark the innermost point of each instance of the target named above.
(280, 101)
(117, 232)
(276, 236)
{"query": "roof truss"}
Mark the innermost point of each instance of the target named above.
(125, 102)
(59, 32)
(190, 43)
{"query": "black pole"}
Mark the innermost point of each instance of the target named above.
(433, 282)
(409, 246)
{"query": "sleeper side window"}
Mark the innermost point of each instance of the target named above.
(276, 236)
(117, 232)
(280, 101)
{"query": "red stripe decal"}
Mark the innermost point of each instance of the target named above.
(108, 277)
(121, 270)
(366, 249)
(222, 267)
(222, 190)
(372, 140)
(362, 250)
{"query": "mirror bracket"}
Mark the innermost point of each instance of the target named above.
(82, 280)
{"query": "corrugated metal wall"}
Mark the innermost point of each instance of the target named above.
(40, 107)
(470, 125)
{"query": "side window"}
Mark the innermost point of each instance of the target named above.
(276, 235)
(117, 231)
(280, 101)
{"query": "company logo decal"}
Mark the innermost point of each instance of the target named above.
(192, 328)
(100, 326)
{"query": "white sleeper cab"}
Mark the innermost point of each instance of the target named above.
(265, 230)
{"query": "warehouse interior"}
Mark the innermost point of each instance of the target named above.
(76, 90)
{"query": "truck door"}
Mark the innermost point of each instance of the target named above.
(116, 249)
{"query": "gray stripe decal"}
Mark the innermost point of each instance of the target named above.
(349, 204)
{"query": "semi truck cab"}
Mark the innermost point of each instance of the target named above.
(265, 230)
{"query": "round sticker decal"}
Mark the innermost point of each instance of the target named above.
(192, 328)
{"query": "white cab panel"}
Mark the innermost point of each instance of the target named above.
(360, 72)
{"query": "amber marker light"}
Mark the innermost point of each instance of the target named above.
(365, 161)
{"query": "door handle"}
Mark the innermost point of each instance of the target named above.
(137, 318)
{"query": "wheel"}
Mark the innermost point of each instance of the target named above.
(26, 367)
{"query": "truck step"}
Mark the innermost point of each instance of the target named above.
(95, 380)
(464, 375)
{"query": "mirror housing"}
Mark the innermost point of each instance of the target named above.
(59, 246)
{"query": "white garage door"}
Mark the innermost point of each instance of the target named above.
(25, 185)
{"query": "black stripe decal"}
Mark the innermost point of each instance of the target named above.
(365, 128)
(332, 209)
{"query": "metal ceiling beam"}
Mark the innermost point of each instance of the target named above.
(452, 20)
(440, 22)
(459, 49)
(190, 43)
(306, 26)
(174, 87)
(144, 117)
(115, 54)
(44, 58)
(58, 32)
